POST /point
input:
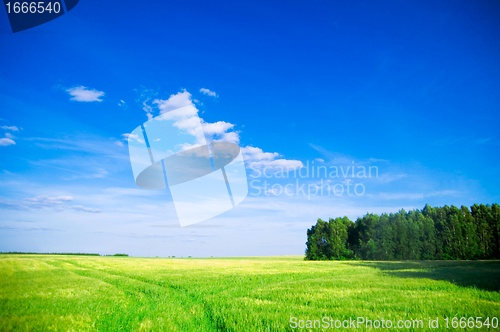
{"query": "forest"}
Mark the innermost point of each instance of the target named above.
(433, 233)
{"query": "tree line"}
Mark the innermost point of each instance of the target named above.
(433, 233)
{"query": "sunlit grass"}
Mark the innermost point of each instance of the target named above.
(80, 293)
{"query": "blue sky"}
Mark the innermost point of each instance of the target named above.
(408, 87)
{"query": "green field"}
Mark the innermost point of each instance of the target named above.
(85, 293)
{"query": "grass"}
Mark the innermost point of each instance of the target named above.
(92, 293)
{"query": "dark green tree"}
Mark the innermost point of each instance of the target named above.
(444, 232)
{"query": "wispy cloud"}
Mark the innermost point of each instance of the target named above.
(332, 157)
(415, 196)
(38, 202)
(85, 209)
(128, 136)
(463, 140)
(6, 142)
(12, 128)
(389, 177)
(118, 192)
(145, 95)
(85, 94)
(44, 202)
(98, 174)
(81, 157)
(29, 228)
(484, 140)
(90, 144)
(208, 92)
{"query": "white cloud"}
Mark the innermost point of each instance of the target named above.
(85, 209)
(82, 93)
(9, 135)
(218, 131)
(216, 128)
(128, 136)
(255, 154)
(13, 128)
(6, 142)
(257, 158)
(179, 100)
(180, 108)
(232, 137)
(208, 92)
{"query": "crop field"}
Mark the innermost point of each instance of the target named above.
(86, 293)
